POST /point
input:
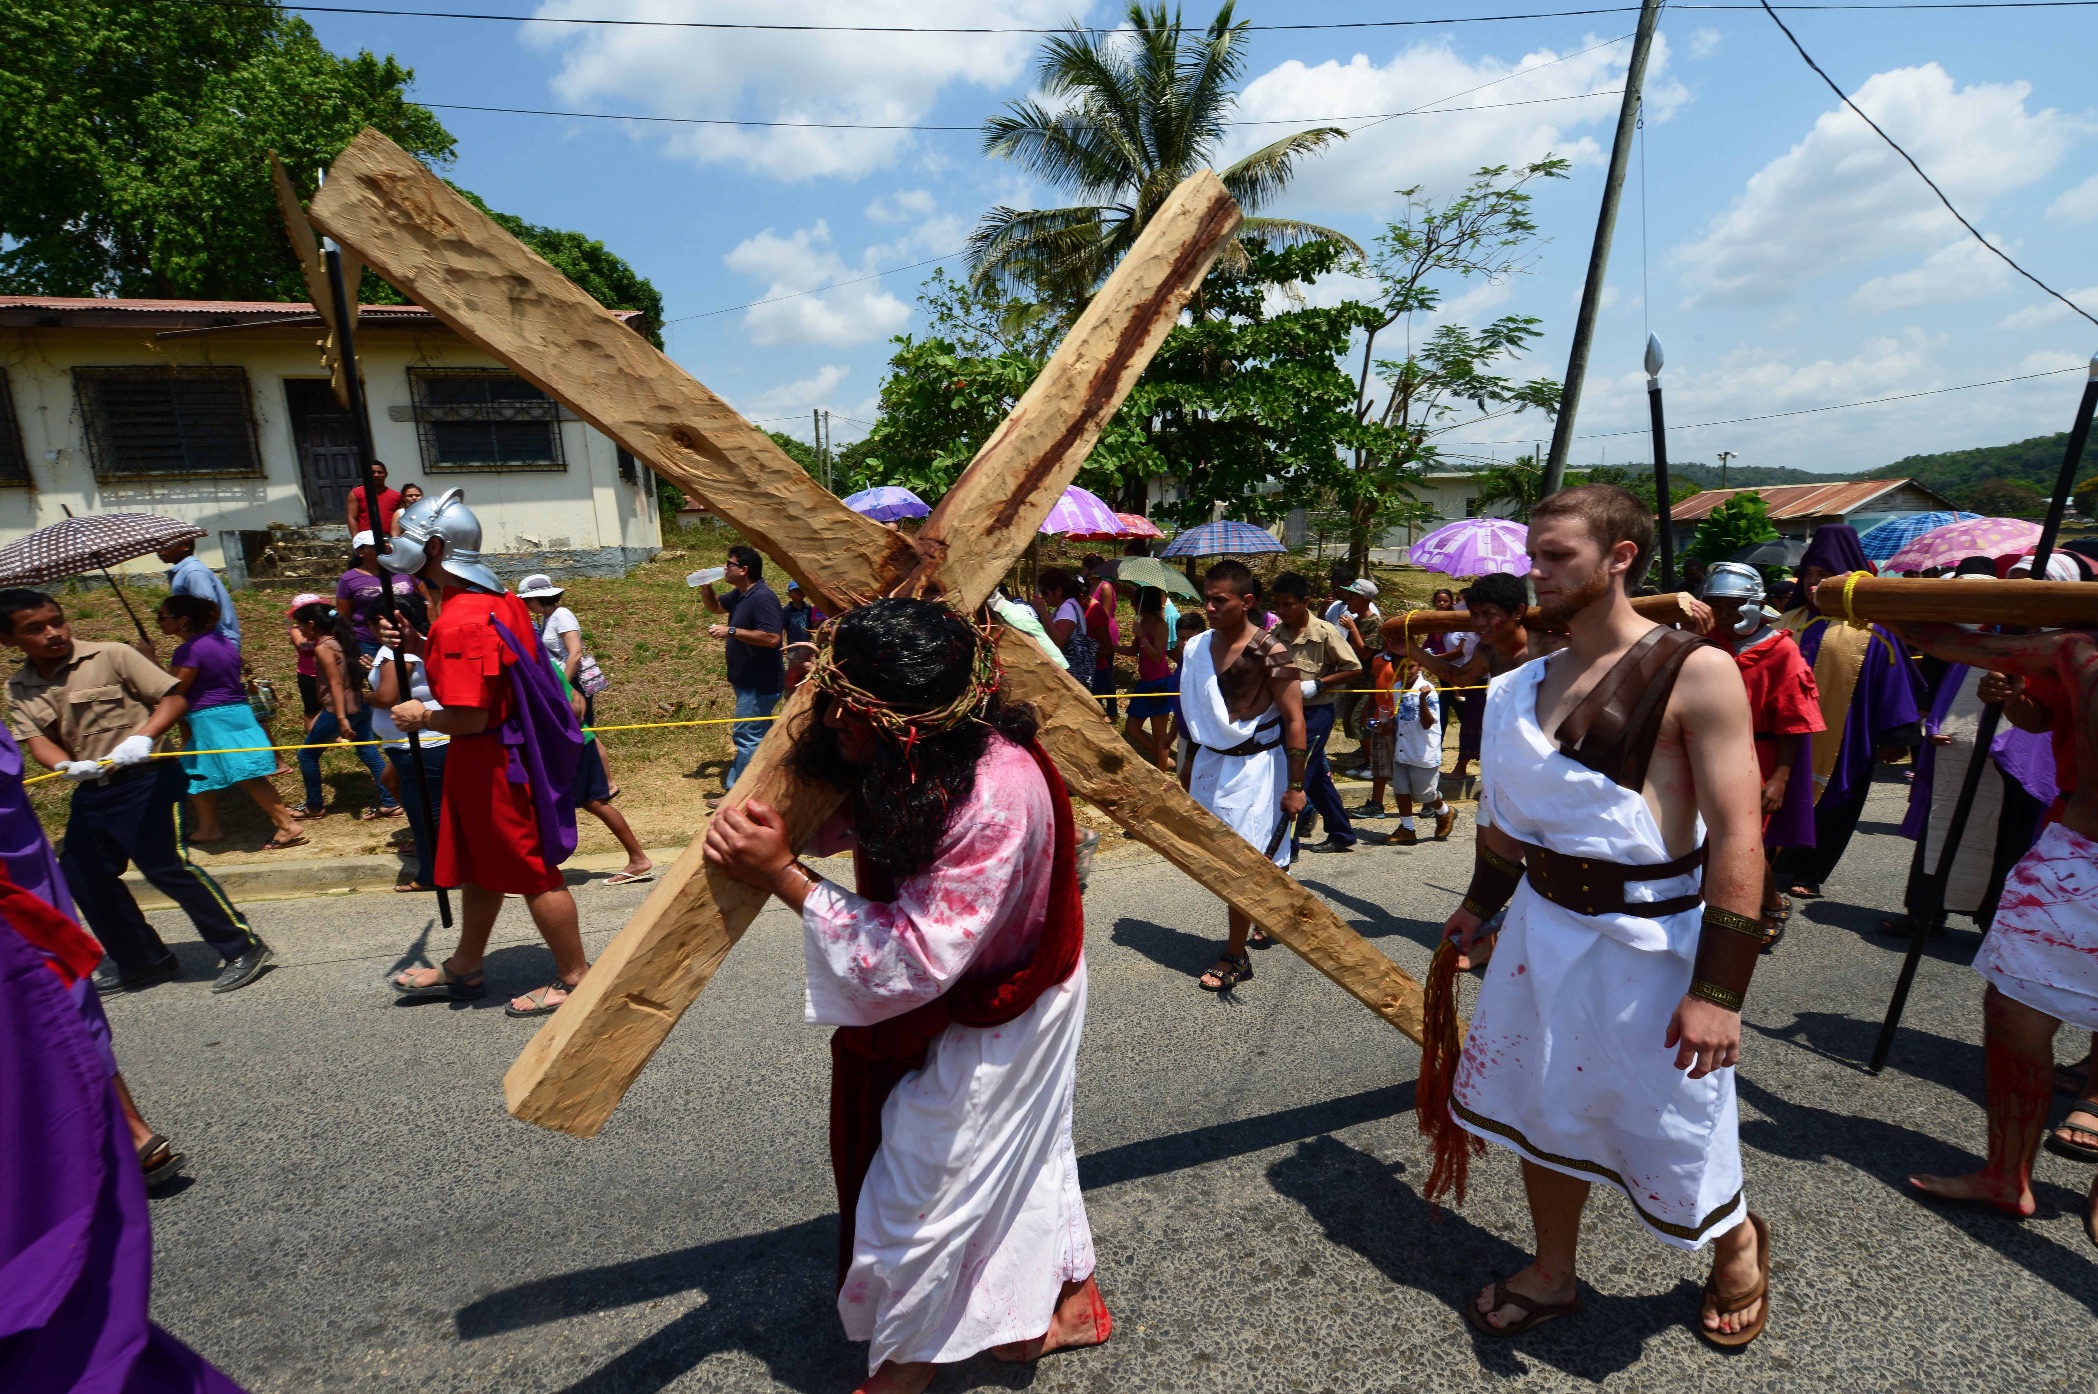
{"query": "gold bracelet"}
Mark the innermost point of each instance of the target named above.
(1498, 862)
(1713, 992)
(1728, 919)
(1474, 907)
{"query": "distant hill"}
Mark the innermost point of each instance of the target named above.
(1957, 474)
(1742, 476)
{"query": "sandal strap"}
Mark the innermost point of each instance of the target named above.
(1727, 1306)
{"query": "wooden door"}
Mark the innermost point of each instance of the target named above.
(327, 445)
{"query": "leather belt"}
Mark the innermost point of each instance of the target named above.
(1594, 886)
(1252, 745)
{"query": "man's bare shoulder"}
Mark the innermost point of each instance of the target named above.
(1708, 689)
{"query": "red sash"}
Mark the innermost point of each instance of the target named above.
(68, 950)
(867, 1061)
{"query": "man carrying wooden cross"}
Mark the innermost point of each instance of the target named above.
(2040, 957)
(1609, 1023)
(955, 975)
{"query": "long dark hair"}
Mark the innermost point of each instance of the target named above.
(918, 655)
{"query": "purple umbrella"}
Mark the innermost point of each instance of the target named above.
(885, 503)
(1080, 510)
(1475, 547)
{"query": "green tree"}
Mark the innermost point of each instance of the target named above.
(2004, 498)
(1453, 377)
(1135, 112)
(1741, 521)
(2085, 497)
(134, 142)
(1637, 480)
(1519, 483)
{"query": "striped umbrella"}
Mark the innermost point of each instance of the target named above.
(1474, 547)
(1891, 536)
(1223, 538)
(1953, 543)
(1080, 511)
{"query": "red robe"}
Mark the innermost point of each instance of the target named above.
(487, 830)
(1783, 704)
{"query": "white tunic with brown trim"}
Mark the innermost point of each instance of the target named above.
(1564, 1061)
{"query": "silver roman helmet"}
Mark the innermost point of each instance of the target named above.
(446, 517)
(1733, 580)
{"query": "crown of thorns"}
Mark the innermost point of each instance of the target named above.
(899, 722)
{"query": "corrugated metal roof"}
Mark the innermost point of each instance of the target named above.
(72, 311)
(1835, 499)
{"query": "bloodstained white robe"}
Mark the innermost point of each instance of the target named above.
(2042, 948)
(970, 1219)
(1564, 1062)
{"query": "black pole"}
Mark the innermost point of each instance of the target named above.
(346, 348)
(1662, 505)
(1933, 917)
(1599, 253)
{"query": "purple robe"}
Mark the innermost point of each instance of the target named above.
(31, 862)
(1793, 823)
(1882, 704)
(76, 1246)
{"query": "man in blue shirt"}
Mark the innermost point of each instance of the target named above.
(754, 634)
(188, 576)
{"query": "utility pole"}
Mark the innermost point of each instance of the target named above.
(829, 458)
(1599, 255)
(1724, 456)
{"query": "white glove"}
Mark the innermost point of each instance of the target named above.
(130, 751)
(77, 770)
(1309, 688)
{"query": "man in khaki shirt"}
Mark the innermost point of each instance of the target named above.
(95, 713)
(1327, 663)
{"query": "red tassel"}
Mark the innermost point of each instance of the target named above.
(1450, 1147)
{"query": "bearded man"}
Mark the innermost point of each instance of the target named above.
(1606, 1031)
(955, 974)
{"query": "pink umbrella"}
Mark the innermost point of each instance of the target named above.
(1475, 547)
(1130, 525)
(1080, 511)
(1953, 543)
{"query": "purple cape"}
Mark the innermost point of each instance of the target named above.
(30, 861)
(1883, 703)
(76, 1247)
(545, 744)
(1835, 548)
(1793, 823)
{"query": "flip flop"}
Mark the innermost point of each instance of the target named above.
(2076, 1151)
(412, 888)
(1534, 1312)
(538, 998)
(281, 843)
(158, 1159)
(630, 878)
(451, 986)
(1741, 1302)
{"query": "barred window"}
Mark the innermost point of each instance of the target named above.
(14, 461)
(154, 422)
(484, 419)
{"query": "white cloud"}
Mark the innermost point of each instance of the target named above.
(1439, 153)
(794, 398)
(852, 314)
(1962, 270)
(2078, 205)
(901, 206)
(2050, 311)
(1705, 42)
(1840, 197)
(889, 79)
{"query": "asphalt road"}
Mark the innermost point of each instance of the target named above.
(365, 1216)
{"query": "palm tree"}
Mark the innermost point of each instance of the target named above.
(1140, 110)
(1519, 483)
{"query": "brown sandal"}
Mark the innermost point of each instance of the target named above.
(1724, 1305)
(1534, 1312)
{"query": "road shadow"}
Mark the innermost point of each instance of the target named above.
(1956, 943)
(1949, 1063)
(772, 1296)
(1889, 1152)
(1373, 921)
(1173, 949)
(1362, 1205)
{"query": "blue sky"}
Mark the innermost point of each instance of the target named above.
(1789, 261)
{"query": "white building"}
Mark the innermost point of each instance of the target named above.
(220, 413)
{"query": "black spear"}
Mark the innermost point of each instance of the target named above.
(346, 350)
(1662, 505)
(1931, 918)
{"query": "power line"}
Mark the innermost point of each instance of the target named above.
(1896, 146)
(1811, 411)
(813, 290)
(871, 126)
(744, 25)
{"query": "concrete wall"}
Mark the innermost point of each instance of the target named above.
(583, 517)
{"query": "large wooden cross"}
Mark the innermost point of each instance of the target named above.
(478, 279)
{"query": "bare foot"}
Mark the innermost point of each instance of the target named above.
(1081, 1319)
(893, 1378)
(1736, 1268)
(1980, 1188)
(1531, 1283)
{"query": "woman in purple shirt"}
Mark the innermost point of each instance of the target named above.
(207, 672)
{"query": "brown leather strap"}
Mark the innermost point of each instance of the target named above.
(1596, 886)
(1613, 729)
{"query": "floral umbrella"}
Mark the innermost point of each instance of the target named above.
(1475, 547)
(1953, 543)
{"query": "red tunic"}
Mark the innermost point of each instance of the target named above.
(487, 832)
(2050, 692)
(1783, 702)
